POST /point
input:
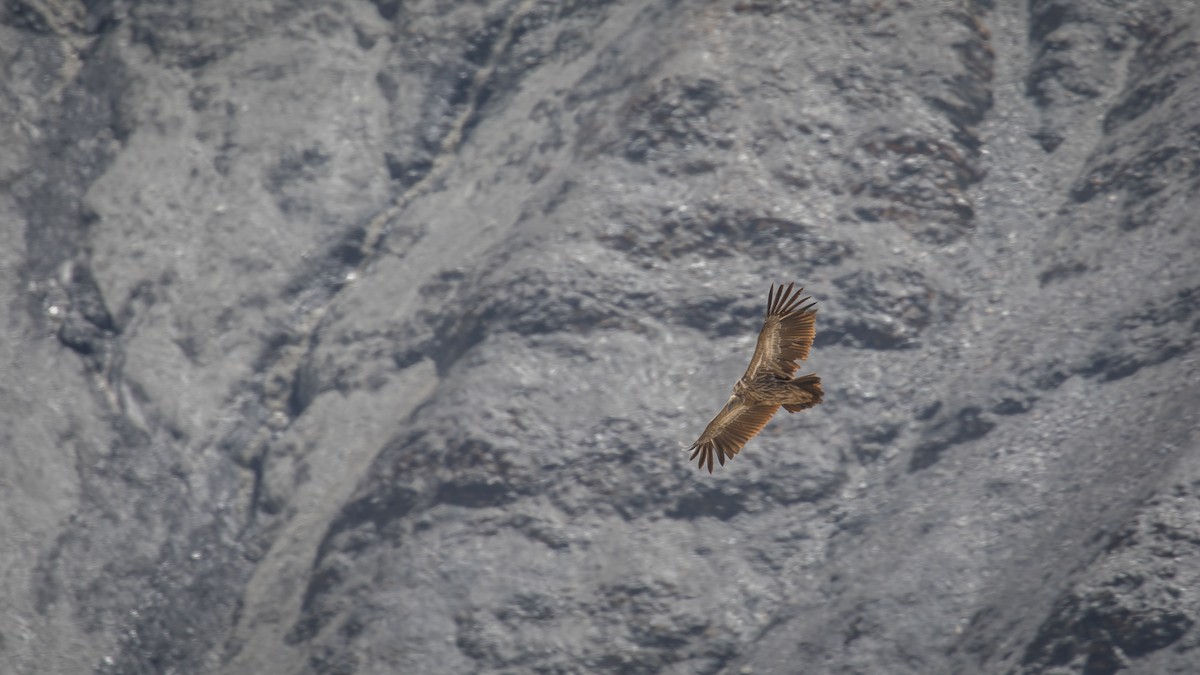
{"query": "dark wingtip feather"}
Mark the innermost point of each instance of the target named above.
(783, 301)
(704, 452)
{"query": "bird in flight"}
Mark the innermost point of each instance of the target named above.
(786, 336)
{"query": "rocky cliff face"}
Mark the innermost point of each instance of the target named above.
(366, 337)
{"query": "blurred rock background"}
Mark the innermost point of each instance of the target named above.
(365, 337)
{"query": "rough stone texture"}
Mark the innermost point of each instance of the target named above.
(365, 337)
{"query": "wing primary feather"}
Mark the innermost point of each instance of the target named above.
(790, 302)
(788, 297)
(782, 301)
(773, 298)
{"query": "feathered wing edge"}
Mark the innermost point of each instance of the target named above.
(786, 337)
(729, 431)
(786, 301)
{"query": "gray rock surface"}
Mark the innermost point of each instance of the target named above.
(366, 337)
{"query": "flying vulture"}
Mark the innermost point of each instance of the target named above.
(786, 336)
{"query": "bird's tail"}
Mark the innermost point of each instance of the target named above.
(810, 387)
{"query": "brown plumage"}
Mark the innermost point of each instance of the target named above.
(786, 336)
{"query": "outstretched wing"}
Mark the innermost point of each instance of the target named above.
(725, 435)
(786, 336)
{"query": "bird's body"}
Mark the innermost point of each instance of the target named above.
(772, 389)
(786, 337)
